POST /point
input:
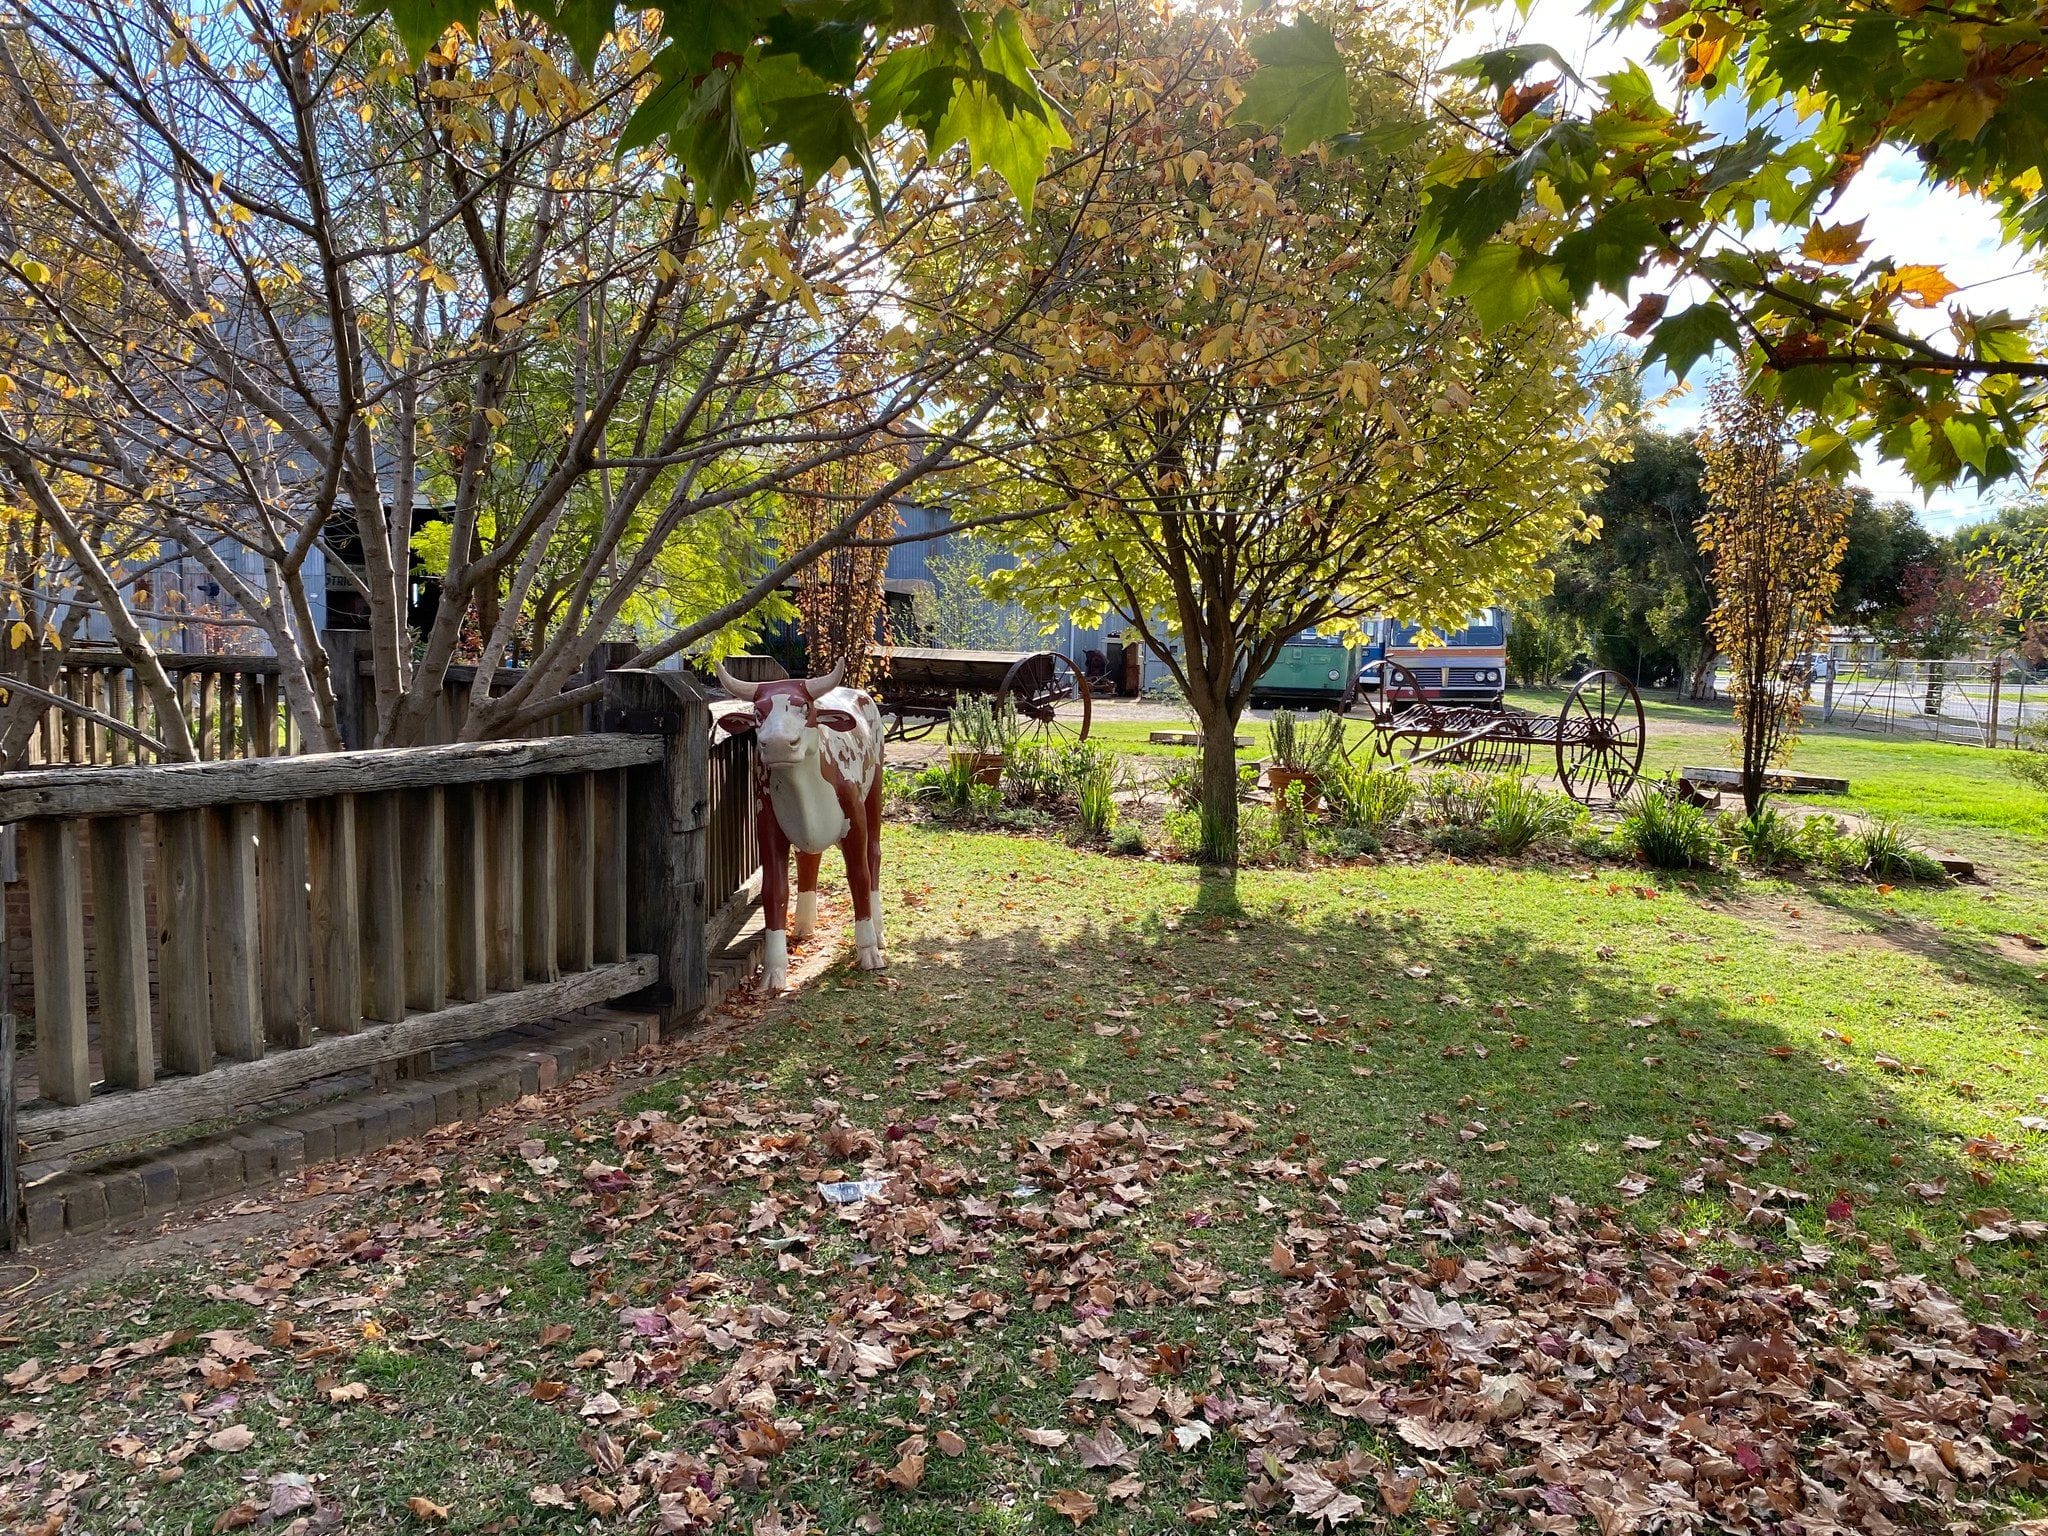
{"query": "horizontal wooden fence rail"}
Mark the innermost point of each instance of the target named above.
(234, 706)
(257, 924)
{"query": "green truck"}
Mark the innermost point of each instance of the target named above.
(1311, 669)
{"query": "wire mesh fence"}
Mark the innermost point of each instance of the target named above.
(1988, 703)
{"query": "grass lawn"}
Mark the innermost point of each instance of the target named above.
(1957, 798)
(1415, 1196)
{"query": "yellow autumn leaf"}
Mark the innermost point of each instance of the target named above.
(1834, 245)
(1922, 286)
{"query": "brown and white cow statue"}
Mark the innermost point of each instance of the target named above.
(817, 784)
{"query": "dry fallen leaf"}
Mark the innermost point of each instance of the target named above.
(908, 1472)
(427, 1510)
(235, 1437)
(1073, 1503)
(949, 1443)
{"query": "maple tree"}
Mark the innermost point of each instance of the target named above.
(2012, 551)
(1253, 414)
(1719, 164)
(822, 79)
(427, 315)
(1775, 535)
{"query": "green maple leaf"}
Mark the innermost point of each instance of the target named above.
(1300, 86)
(1505, 282)
(1681, 340)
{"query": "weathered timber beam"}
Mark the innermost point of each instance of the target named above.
(191, 786)
(181, 1101)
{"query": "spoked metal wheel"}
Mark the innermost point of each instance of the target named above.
(1055, 705)
(1600, 737)
(1393, 699)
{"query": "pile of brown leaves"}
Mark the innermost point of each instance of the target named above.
(1290, 1353)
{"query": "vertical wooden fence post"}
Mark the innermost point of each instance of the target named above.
(10, 1173)
(345, 675)
(665, 817)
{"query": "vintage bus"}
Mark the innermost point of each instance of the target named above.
(1463, 666)
(1313, 671)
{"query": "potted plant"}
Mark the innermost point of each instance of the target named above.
(981, 733)
(1302, 752)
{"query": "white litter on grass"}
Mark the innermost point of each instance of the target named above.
(851, 1191)
(1024, 1191)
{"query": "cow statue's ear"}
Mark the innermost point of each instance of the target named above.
(837, 720)
(818, 687)
(734, 722)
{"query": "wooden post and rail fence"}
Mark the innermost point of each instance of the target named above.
(233, 705)
(257, 922)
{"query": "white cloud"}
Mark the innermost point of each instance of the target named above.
(1904, 218)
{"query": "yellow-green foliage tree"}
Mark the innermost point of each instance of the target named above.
(1250, 410)
(1775, 536)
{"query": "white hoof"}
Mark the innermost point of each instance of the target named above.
(775, 962)
(806, 915)
(867, 944)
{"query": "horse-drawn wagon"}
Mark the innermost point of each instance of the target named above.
(1596, 738)
(917, 688)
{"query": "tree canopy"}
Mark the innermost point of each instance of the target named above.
(823, 79)
(1715, 171)
(1254, 413)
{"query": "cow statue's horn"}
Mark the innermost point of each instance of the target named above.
(818, 687)
(738, 687)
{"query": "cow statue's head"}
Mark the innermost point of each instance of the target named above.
(786, 714)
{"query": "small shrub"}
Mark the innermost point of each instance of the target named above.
(1342, 842)
(1887, 855)
(1666, 832)
(1261, 839)
(2029, 763)
(1368, 799)
(1825, 841)
(1461, 842)
(1183, 783)
(1128, 841)
(949, 781)
(984, 799)
(898, 787)
(1520, 815)
(1591, 842)
(1764, 841)
(1096, 792)
(1454, 797)
(1022, 818)
(1291, 816)
(1034, 773)
(1182, 829)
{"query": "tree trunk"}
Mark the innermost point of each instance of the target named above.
(1218, 806)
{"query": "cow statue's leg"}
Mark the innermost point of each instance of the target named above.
(774, 900)
(806, 917)
(875, 858)
(867, 945)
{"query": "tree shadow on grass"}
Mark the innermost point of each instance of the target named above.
(1970, 956)
(1396, 1044)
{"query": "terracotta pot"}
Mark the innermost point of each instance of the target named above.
(1278, 777)
(988, 766)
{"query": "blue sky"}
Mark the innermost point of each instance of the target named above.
(1904, 218)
